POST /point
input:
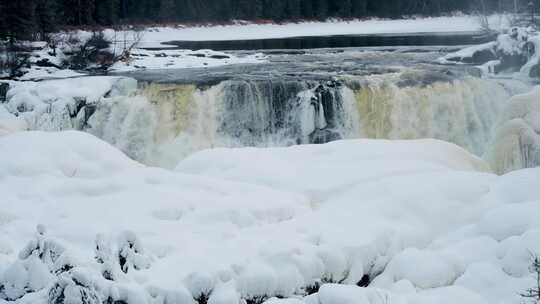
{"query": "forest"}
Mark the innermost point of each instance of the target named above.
(32, 19)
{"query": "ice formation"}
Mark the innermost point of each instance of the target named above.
(517, 142)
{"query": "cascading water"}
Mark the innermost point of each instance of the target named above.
(159, 124)
(464, 111)
(256, 113)
(164, 123)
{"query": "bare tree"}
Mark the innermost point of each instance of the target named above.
(13, 58)
(125, 39)
(533, 294)
(483, 17)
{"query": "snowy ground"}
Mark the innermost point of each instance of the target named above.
(424, 219)
(155, 36)
(140, 59)
(182, 59)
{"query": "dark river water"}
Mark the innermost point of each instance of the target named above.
(340, 41)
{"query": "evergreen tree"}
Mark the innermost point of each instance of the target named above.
(167, 10)
(275, 9)
(19, 19)
(224, 10)
(294, 9)
(45, 17)
(321, 9)
(3, 17)
(106, 12)
(26, 19)
(85, 12)
(359, 8)
(185, 10)
(307, 9)
(341, 8)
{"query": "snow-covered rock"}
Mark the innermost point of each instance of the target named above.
(517, 50)
(60, 104)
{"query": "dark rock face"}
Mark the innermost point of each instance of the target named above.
(478, 58)
(531, 51)
(323, 136)
(4, 88)
(483, 56)
(535, 71)
(46, 63)
(510, 63)
(364, 281)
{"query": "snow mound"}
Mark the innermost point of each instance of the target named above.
(418, 221)
(9, 123)
(65, 154)
(352, 160)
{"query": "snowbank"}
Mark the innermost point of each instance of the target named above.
(378, 158)
(68, 155)
(155, 36)
(261, 223)
(58, 104)
(182, 59)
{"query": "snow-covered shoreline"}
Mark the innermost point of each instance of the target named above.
(153, 37)
(150, 51)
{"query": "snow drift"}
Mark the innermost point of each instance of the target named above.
(253, 224)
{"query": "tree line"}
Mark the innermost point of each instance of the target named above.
(34, 18)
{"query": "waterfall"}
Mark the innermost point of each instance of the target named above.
(462, 111)
(280, 113)
(160, 124)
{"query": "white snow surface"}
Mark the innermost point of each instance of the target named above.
(45, 73)
(154, 36)
(425, 219)
(142, 59)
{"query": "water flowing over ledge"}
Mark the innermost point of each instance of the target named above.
(160, 124)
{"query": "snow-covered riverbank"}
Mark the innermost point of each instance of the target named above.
(148, 48)
(153, 37)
